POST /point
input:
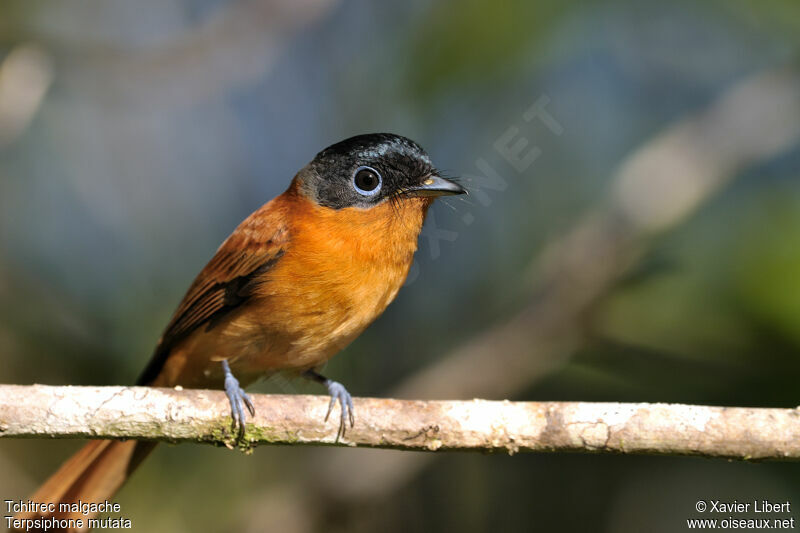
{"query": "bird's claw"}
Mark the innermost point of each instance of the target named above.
(238, 398)
(340, 394)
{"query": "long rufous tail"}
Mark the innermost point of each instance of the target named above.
(92, 475)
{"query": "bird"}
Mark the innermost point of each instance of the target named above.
(294, 284)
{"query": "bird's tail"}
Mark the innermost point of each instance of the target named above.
(92, 475)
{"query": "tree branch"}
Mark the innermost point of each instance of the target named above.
(203, 416)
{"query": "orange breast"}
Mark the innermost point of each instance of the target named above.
(339, 272)
(342, 270)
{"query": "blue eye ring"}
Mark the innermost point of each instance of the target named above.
(367, 181)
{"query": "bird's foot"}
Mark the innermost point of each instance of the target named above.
(238, 399)
(340, 394)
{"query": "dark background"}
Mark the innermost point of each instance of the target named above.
(134, 136)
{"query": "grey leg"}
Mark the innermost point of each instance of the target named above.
(237, 396)
(338, 393)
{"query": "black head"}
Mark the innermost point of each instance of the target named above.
(365, 170)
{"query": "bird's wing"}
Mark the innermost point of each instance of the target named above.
(226, 282)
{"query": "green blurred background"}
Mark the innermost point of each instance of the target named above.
(134, 136)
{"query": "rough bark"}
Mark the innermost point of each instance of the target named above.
(204, 416)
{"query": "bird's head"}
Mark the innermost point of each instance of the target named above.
(367, 170)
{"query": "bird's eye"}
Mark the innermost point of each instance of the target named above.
(367, 181)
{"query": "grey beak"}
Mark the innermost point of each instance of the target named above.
(438, 186)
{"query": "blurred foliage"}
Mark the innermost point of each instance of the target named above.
(770, 15)
(766, 261)
(462, 42)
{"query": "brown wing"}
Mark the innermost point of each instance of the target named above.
(226, 282)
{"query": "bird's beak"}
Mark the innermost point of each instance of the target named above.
(437, 186)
